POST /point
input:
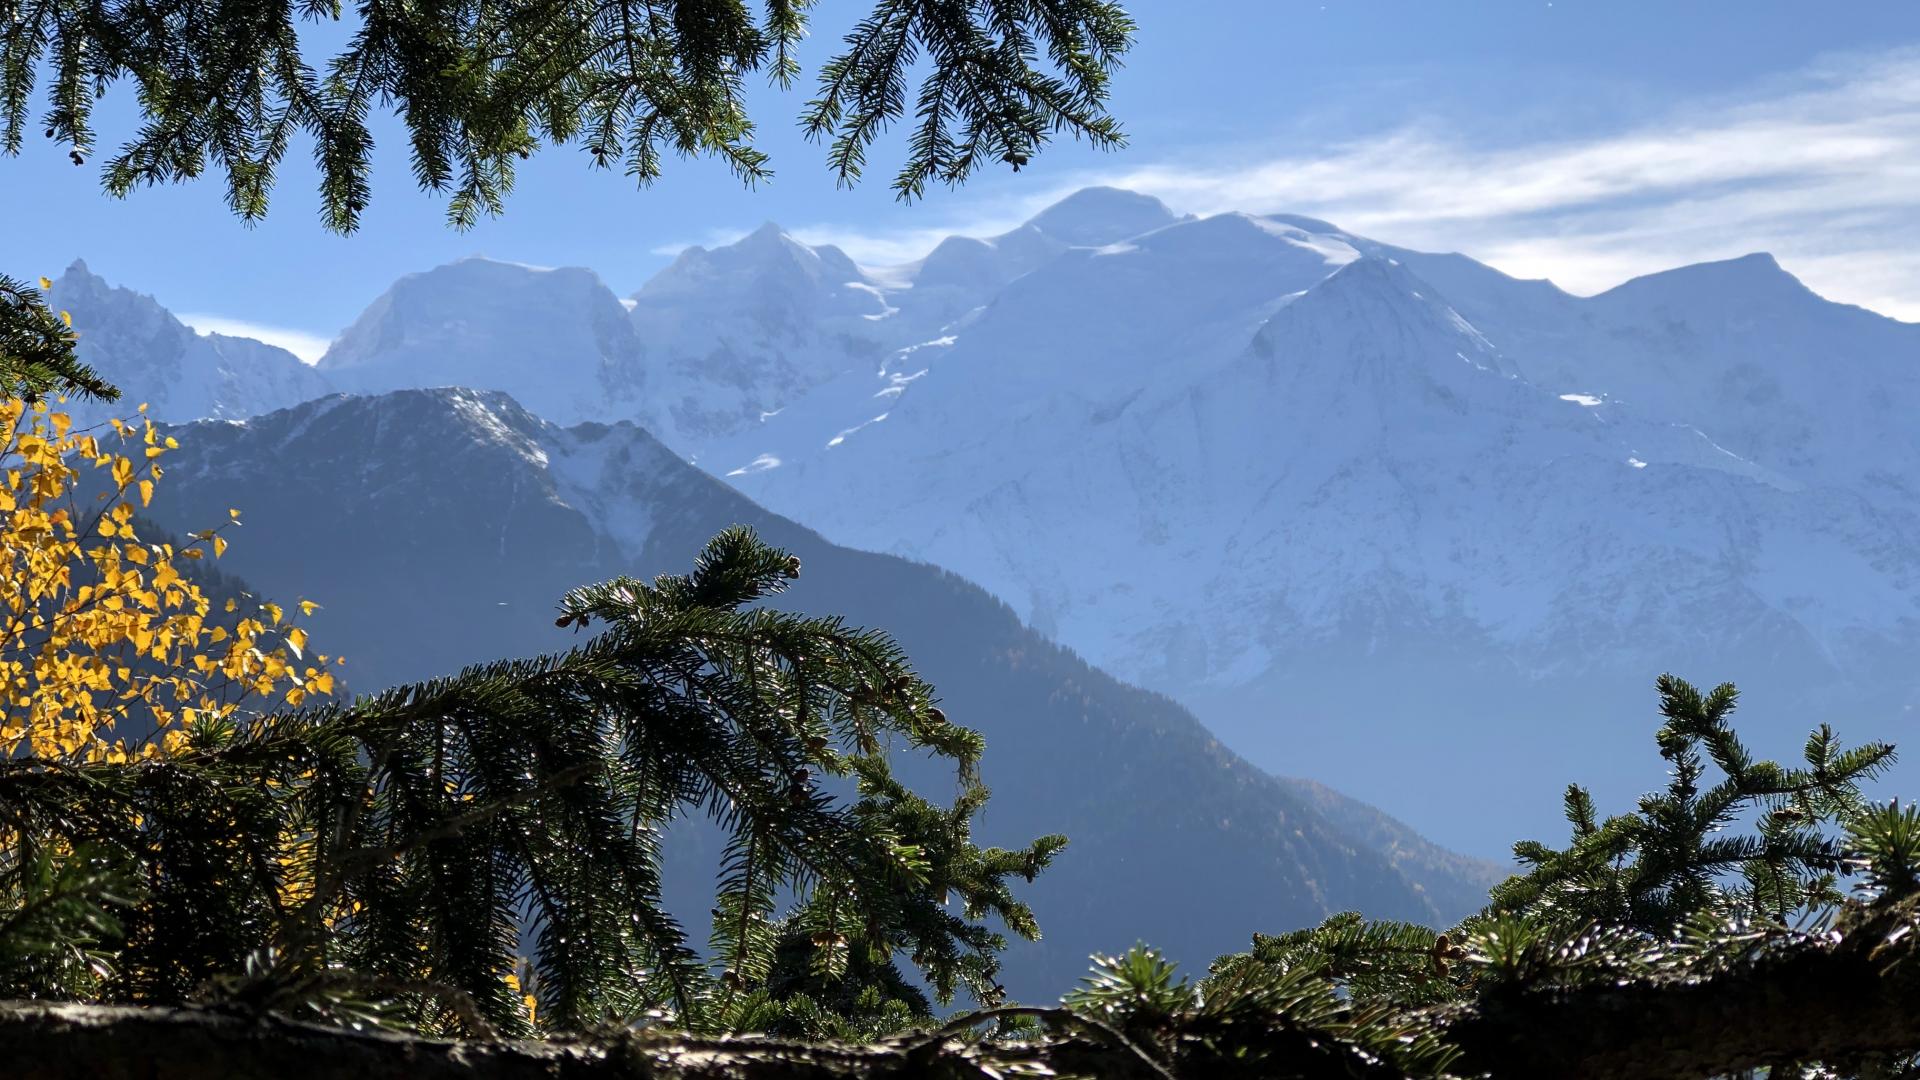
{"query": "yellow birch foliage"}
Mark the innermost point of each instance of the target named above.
(107, 649)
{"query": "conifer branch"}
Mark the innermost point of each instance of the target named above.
(480, 85)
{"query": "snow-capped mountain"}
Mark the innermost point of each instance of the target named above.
(1258, 463)
(155, 358)
(704, 349)
(1277, 471)
(557, 339)
(710, 346)
(438, 528)
(1822, 390)
(737, 332)
(702, 354)
(734, 332)
(963, 272)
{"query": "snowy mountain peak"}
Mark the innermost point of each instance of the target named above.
(963, 272)
(1097, 216)
(962, 262)
(437, 421)
(1375, 316)
(490, 411)
(446, 281)
(738, 332)
(558, 340)
(468, 295)
(452, 288)
(120, 331)
(1750, 280)
(1235, 236)
(767, 258)
(773, 242)
(1374, 282)
(769, 232)
(154, 358)
(486, 417)
(77, 279)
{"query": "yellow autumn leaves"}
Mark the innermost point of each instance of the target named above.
(66, 317)
(107, 650)
(527, 999)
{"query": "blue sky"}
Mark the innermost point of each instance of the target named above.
(1582, 140)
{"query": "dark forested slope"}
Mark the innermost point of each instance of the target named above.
(439, 527)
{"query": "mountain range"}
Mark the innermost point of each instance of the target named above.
(1390, 519)
(439, 527)
(165, 364)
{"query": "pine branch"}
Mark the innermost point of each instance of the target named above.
(37, 355)
(480, 85)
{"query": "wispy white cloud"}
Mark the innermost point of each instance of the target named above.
(307, 346)
(1822, 169)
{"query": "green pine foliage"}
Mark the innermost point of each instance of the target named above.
(1735, 869)
(439, 850)
(1365, 961)
(482, 84)
(37, 356)
(1885, 841)
(1680, 855)
(1760, 844)
(56, 933)
(1250, 1020)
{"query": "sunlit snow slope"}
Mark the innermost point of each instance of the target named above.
(1386, 517)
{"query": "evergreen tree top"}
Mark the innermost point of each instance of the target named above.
(481, 84)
